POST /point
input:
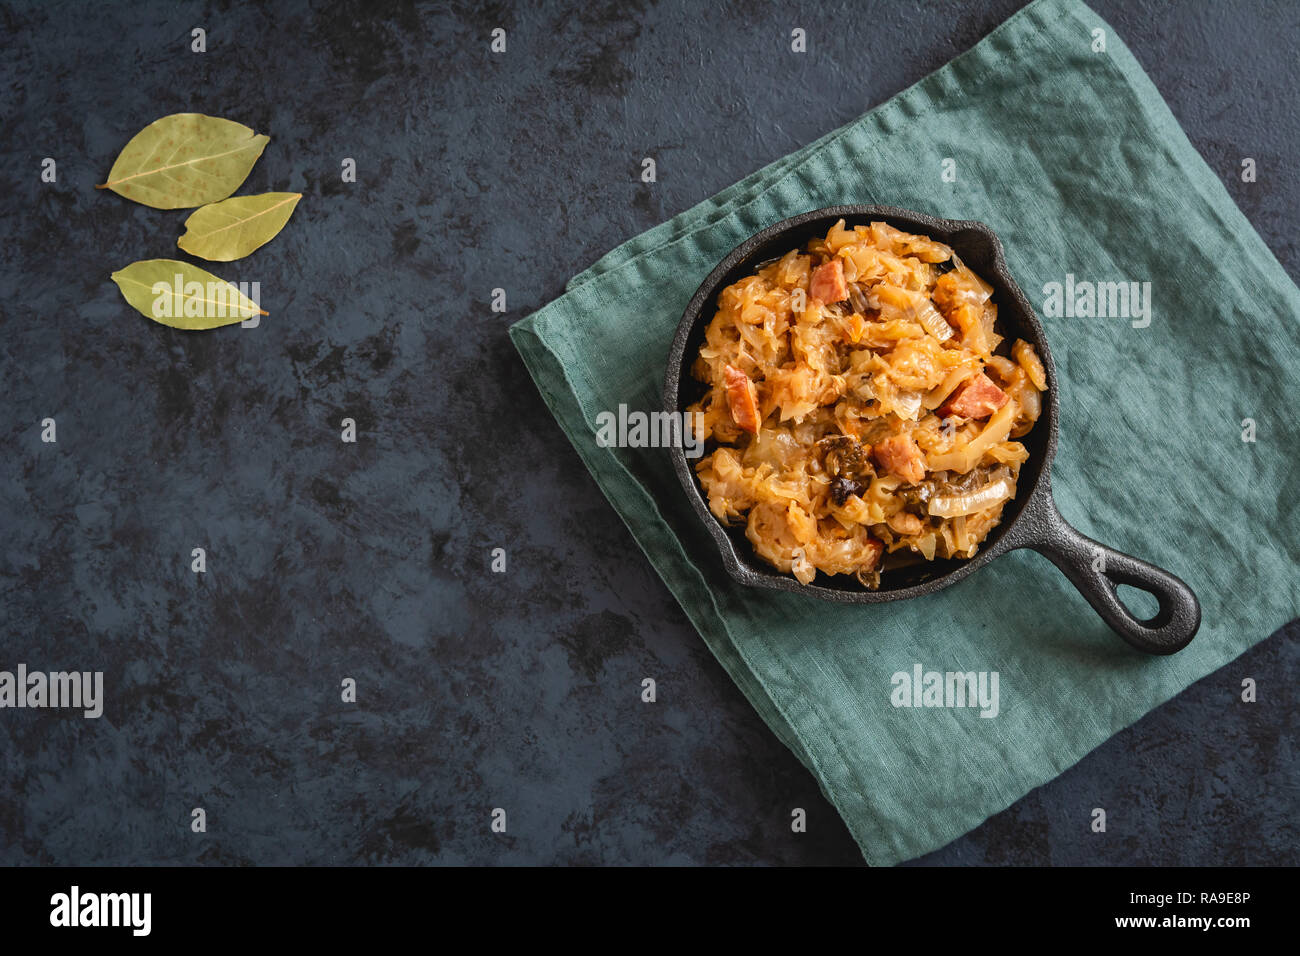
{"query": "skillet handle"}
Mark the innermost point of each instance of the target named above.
(1096, 570)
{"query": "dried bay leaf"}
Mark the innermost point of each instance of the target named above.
(234, 227)
(183, 296)
(184, 160)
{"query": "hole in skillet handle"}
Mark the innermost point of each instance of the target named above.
(1143, 605)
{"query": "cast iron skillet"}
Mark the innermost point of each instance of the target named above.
(1031, 520)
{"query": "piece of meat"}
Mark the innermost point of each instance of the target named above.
(742, 397)
(828, 283)
(977, 397)
(899, 455)
(878, 547)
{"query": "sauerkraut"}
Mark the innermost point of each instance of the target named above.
(862, 409)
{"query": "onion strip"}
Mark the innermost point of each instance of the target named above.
(973, 502)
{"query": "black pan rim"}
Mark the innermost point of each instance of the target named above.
(750, 570)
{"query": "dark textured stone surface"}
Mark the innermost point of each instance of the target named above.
(370, 561)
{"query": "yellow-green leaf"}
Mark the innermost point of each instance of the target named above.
(184, 160)
(183, 296)
(234, 227)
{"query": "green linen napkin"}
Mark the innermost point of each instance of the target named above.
(1077, 163)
